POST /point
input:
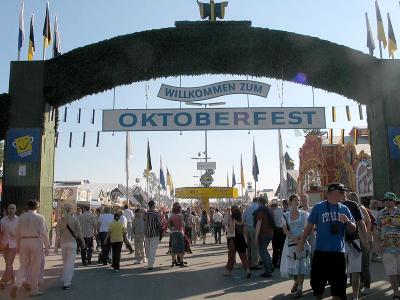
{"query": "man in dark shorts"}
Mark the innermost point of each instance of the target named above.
(331, 219)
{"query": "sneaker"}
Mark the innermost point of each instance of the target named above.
(266, 275)
(150, 268)
(365, 291)
(67, 287)
(137, 262)
(116, 270)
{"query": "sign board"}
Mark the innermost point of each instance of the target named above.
(210, 165)
(189, 94)
(209, 192)
(23, 144)
(214, 119)
(394, 142)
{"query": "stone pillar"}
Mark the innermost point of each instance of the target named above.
(382, 114)
(29, 176)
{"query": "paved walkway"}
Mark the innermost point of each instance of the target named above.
(202, 279)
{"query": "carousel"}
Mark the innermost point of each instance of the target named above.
(324, 160)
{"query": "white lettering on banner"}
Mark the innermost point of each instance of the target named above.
(214, 119)
(188, 94)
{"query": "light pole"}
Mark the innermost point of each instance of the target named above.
(205, 131)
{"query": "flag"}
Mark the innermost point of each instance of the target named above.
(392, 40)
(381, 30)
(348, 113)
(233, 177)
(47, 28)
(56, 42)
(170, 183)
(31, 49)
(370, 37)
(333, 114)
(128, 153)
(21, 31)
(148, 165)
(242, 180)
(162, 178)
(283, 172)
(255, 169)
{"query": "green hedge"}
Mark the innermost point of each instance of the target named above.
(198, 48)
(4, 113)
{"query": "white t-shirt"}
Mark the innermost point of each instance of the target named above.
(123, 220)
(128, 214)
(105, 220)
(217, 217)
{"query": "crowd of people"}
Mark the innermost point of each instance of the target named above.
(328, 243)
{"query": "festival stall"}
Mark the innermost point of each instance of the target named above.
(335, 159)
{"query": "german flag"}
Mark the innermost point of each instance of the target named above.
(31, 49)
(392, 40)
(381, 29)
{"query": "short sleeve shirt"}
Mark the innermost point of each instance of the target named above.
(266, 229)
(323, 215)
(117, 231)
(389, 230)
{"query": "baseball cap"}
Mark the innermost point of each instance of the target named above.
(339, 187)
(390, 196)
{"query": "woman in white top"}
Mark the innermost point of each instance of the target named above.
(294, 263)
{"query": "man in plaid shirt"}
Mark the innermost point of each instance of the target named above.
(88, 225)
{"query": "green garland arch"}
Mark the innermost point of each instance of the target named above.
(196, 48)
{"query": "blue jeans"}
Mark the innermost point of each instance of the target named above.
(263, 243)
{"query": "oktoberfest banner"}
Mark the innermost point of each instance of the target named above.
(189, 94)
(214, 119)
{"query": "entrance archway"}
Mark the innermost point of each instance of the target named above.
(194, 48)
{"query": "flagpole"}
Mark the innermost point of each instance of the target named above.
(380, 49)
(19, 54)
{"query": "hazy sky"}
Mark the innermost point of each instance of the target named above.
(85, 22)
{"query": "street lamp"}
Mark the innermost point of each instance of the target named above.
(205, 131)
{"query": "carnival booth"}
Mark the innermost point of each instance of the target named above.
(324, 160)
